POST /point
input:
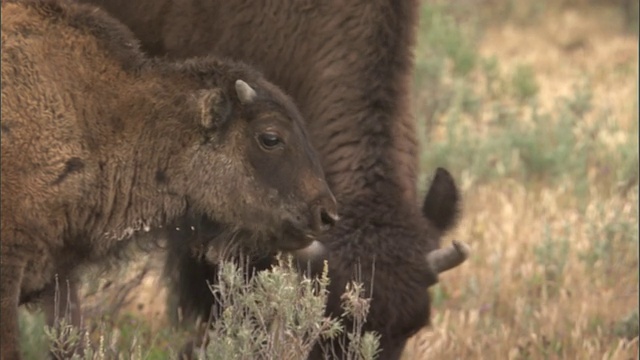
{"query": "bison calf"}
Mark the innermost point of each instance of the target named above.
(348, 65)
(100, 143)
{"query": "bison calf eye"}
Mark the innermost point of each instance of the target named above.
(269, 141)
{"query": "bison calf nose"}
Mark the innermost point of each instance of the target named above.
(325, 214)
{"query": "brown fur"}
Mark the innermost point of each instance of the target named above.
(348, 66)
(100, 142)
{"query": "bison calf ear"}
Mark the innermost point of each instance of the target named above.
(214, 108)
(442, 203)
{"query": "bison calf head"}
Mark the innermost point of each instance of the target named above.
(256, 158)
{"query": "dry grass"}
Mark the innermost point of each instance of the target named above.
(554, 271)
(528, 291)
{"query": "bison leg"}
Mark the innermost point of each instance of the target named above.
(12, 273)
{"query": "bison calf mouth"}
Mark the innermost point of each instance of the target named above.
(298, 233)
(315, 250)
(296, 236)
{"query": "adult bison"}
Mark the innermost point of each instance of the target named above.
(100, 142)
(348, 65)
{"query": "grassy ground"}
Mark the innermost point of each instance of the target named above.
(535, 111)
(532, 105)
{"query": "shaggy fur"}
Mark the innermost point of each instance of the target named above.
(348, 67)
(100, 143)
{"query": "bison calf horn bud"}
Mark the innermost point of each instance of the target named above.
(246, 94)
(447, 258)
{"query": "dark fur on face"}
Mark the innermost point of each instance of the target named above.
(101, 144)
(348, 66)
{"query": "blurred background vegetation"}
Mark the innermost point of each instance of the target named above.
(533, 105)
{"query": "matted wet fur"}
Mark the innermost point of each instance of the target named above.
(100, 143)
(348, 66)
